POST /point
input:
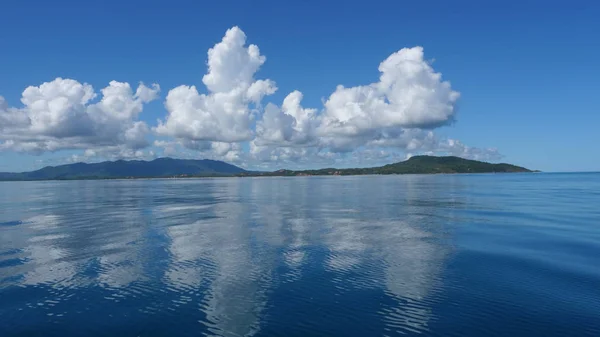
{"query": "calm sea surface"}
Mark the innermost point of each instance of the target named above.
(443, 255)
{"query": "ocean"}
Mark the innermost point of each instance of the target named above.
(430, 255)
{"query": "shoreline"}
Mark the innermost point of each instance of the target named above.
(279, 176)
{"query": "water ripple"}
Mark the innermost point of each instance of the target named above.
(474, 255)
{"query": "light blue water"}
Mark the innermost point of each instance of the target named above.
(437, 255)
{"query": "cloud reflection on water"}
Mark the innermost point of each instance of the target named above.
(221, 250)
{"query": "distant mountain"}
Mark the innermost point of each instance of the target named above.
(162, 167)
(414, 165)
(168, 167)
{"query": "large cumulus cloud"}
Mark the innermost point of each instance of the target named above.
(409, 94)
(62, 114)
(222, 115)
(387, 120)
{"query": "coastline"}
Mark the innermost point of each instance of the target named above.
(270, 176)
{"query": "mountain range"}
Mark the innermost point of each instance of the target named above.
(157, 168)
(168, 167)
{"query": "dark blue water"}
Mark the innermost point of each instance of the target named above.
(443, 255)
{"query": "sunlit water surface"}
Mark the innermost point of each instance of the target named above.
(437, 255)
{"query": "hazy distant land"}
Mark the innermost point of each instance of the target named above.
(170, 168)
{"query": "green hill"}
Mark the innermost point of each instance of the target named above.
(451, 164)
(414, 165)
(161, 167)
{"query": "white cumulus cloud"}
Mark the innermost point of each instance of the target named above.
(409, 95)
(365, 125)
(288, 125)
(60, 115)
(224, 114)
(373, 122)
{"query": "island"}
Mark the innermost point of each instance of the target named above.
(413, 165)
(189, 168)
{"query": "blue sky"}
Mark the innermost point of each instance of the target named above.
(526, 72)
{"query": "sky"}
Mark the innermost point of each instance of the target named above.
(307, 84)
